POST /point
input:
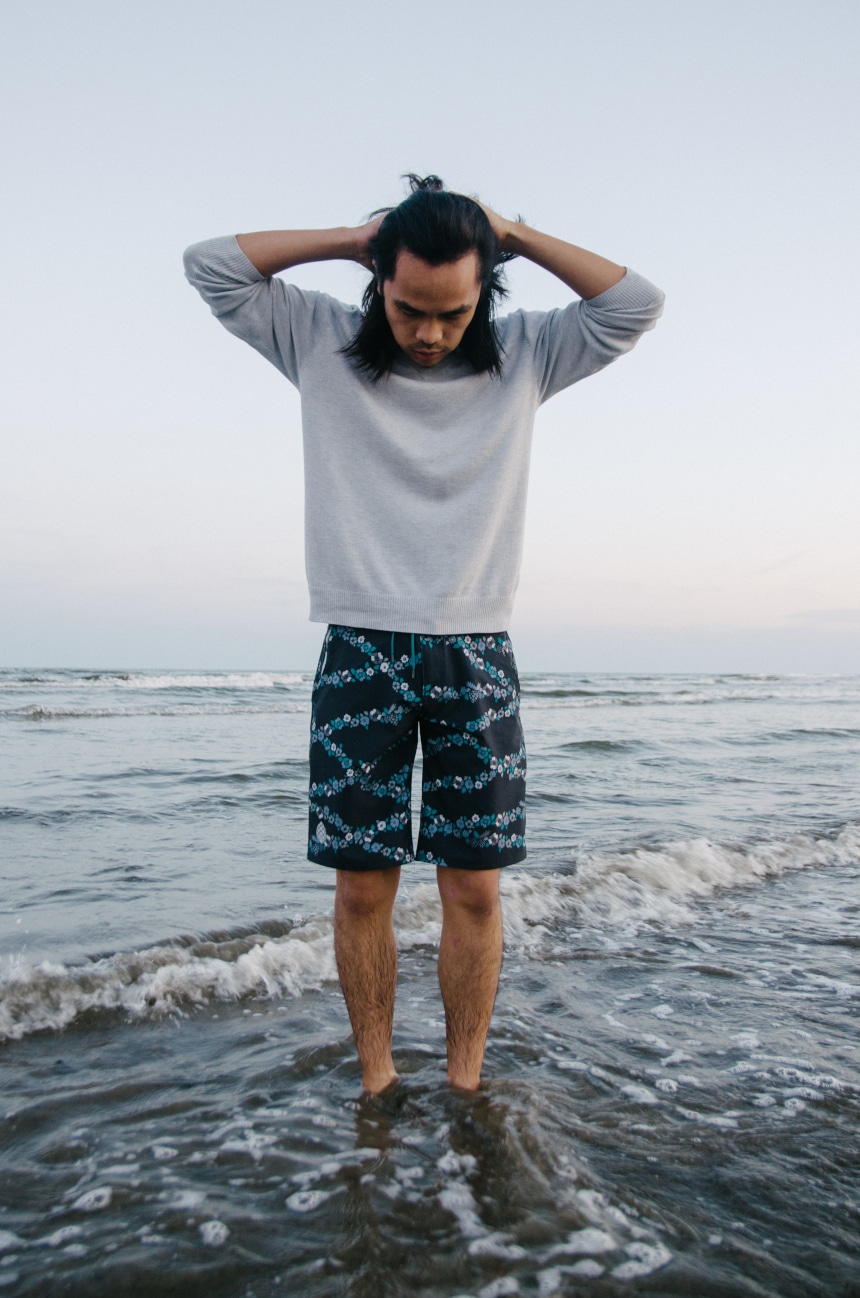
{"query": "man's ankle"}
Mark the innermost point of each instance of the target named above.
(463, 1080)
(376, 1082)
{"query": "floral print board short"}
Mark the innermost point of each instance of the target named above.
(374, 692)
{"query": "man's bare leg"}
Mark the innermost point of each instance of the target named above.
(470, 959)
(367, 963)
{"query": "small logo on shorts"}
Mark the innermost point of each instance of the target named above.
(322, 835)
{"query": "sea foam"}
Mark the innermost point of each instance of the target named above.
(615, 890)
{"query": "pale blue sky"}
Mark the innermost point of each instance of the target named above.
(693, 508)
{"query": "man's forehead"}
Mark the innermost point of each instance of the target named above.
(413, 275)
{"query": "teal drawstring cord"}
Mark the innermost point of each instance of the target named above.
(412, 656)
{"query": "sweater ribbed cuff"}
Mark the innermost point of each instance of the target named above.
(225, 256)
(632, 292)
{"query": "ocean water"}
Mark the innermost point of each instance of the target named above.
(672, 1083)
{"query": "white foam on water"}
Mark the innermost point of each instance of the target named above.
(639, 1252)
(640, 1094)
(505, 1287)
(253, 1143)
(645, 1258)
(588, 1241)
(164, 979)
(61, 1237)
(207, 681)
(457, 1198)
(497, 1246)
(616, 891)
(454, 1164)
(624, 890)
(587, 1269)
(214, 1233)
(663, 884)
(184, 1200)
(649, 1039)
(161, 680)
(36, 712)
(8, 1240)
(839, 986)
(308, 1200)
(676, 1057)
(710, 1119)
(564, 693)
(550, 1279)
(747, 1040)
(94, 1200)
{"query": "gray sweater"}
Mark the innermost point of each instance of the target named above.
(415, 487)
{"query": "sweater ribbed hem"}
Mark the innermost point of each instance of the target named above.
(425, 614)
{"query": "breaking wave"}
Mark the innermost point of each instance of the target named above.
(620, 890)
(35, 711)
(159, 680)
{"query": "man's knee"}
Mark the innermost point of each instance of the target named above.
(473, 894)
(365, 894)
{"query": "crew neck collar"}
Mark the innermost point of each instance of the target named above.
(451, 366)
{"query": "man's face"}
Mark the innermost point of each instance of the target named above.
(430, 307)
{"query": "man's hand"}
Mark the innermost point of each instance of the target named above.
(363, 235)
(501, 227)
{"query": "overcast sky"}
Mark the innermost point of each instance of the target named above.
(692, 508)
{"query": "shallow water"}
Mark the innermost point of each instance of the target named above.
(672, 1077)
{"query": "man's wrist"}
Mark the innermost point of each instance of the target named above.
(515, 238)
(343, 243)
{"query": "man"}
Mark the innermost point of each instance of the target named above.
(417, 413)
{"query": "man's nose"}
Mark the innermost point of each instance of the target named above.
(429, 331)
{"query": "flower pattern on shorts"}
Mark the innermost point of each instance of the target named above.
(374, 692)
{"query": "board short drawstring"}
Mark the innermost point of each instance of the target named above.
(412, 655)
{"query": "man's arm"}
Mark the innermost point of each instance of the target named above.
(585, 272)
(270, 251)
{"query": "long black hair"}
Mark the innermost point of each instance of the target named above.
(439, 227)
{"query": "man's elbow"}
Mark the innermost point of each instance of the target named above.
(193, 262)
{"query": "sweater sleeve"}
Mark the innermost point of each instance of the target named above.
(274, 317)
(575, 341)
